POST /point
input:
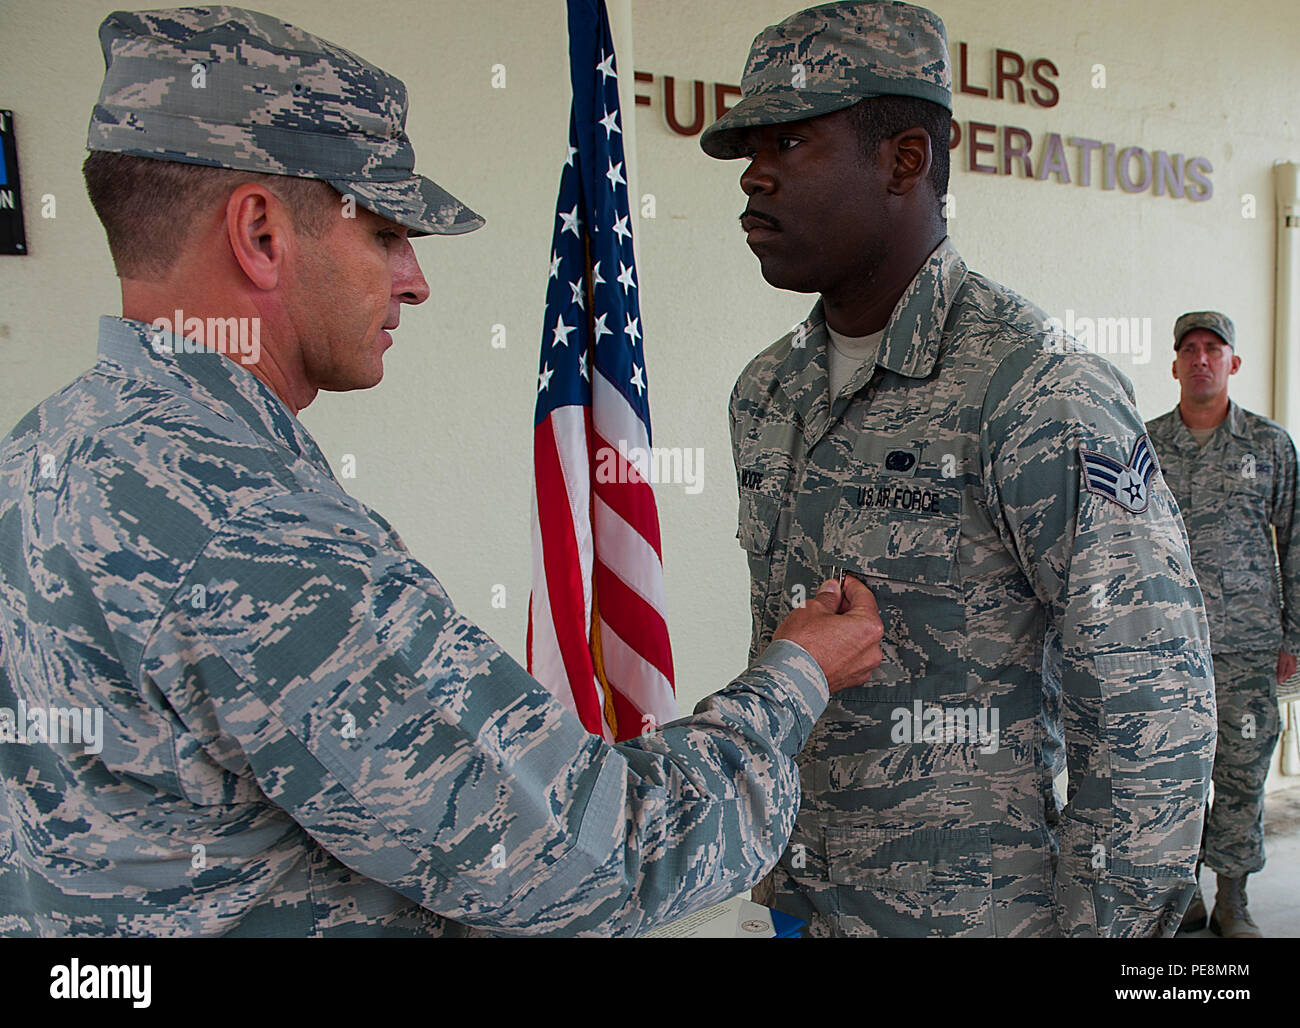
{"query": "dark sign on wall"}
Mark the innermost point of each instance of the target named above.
(13, 238)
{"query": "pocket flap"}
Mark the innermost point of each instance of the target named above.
(893, 544)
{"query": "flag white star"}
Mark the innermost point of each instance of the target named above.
(579, 294)
(596, 280)
(606, 68)
(599, 327)
(544, 379)
(555, 266)
(637, 380)
(615, 174)
(610, 123)
(561, 337)
(631, 329)
(572, 150)
(583, 366)
(625, 277)
(571, 221)
(621, 229)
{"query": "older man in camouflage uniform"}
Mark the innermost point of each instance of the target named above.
(995, 488)
(1234, 475)
(300, 735)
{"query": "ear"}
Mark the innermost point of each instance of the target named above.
(260, 230)
(1174, 368)
(1236, 363)
(911, 160)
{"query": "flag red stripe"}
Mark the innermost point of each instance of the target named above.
(636, 622)
(564, 575)
(633, 501)
(629, 716)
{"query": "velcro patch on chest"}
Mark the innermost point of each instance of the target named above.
(1128, 485)
(901, 462)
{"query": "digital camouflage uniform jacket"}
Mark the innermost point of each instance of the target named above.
(300, 734)
(1233, 493)
(1024, 607)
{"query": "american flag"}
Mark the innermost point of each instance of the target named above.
(597, 631)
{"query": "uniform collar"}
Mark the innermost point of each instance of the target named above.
(218, 382)
(1235, 423)
(910, 345)
(915, 329)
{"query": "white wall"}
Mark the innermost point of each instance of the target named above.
(443, 446)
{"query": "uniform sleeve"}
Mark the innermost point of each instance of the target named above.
(1286, 520)
(330, 667)
(747, 531)
(734, 422)
(1126, 626)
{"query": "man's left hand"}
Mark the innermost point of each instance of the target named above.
(1285, 666)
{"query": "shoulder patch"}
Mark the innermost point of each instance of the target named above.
(1128, 485)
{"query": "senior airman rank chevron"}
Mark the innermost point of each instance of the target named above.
(1126, 484)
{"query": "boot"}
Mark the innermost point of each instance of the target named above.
(1194, 918)
(1231, 919)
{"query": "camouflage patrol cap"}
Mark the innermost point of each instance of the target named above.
(1219, 324)
(231, 88)
(829, 57)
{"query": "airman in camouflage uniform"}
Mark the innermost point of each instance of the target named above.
(300, 735)
(994, 487)
(1234, 475)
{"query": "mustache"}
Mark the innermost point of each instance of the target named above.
(759, 216)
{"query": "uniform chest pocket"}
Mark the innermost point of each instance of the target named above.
(1246, 527)
(1254, 489)
(758, 520)
(1249, 491)
(909, 561)
(894, 544)
(758, 516)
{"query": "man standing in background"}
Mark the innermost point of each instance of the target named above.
(1234, 475)
(922, 431)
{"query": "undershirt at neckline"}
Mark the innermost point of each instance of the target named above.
(846, 354)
